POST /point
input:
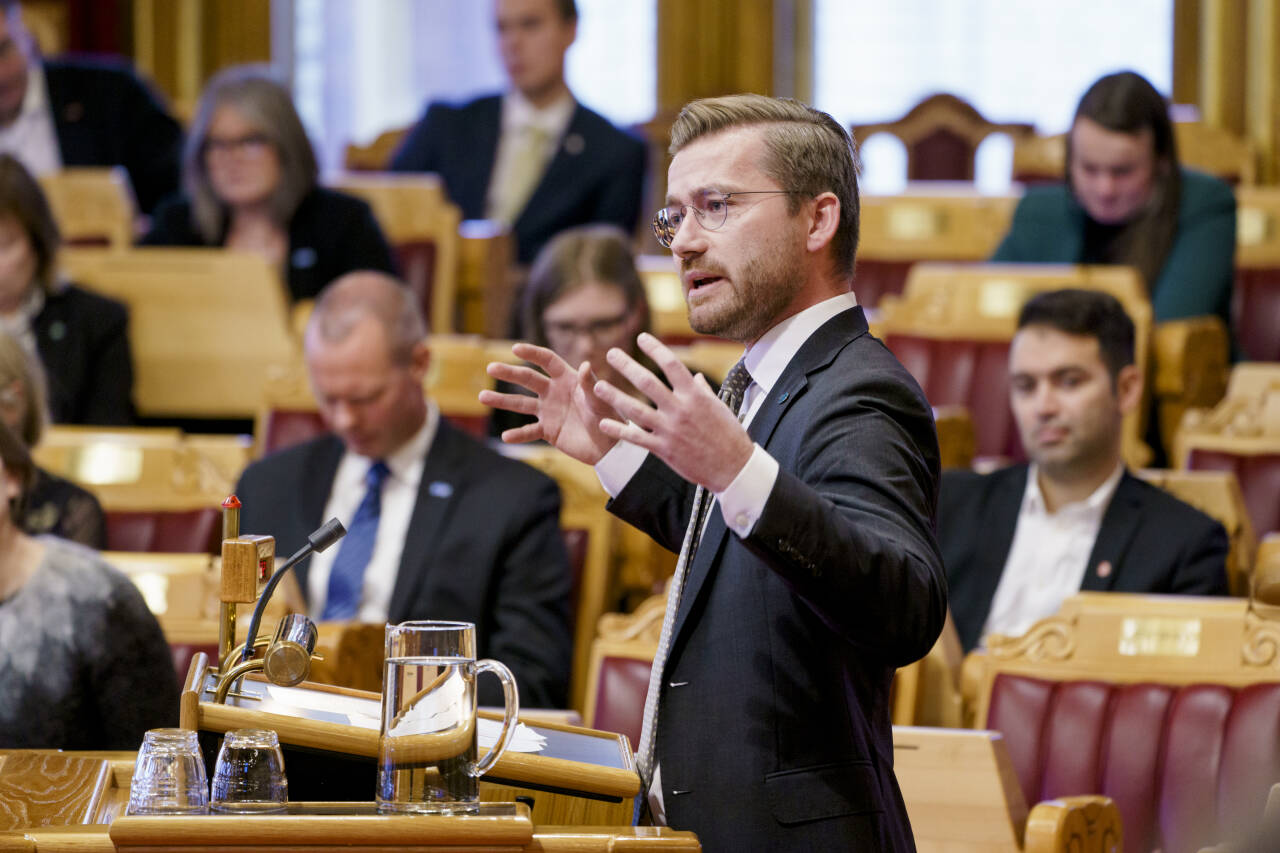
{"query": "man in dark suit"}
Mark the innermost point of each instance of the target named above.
(1020, 540)
(446, 529)
(816, 574)
(55, 114)
(533, 158)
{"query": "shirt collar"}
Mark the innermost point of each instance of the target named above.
(770, 355)
(1033, 498)
(518, 112)
(36, 99)
(405, 463)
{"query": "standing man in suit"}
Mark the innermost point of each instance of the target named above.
(533, 157)
(1019, 541)
(438, 526)
(55, 114)
(813, 573)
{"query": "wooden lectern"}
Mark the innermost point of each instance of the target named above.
(581, 777)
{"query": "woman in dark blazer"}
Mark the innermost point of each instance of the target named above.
(250, 180)
(80, 338)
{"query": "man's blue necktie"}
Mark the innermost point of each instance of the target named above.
(346, 577)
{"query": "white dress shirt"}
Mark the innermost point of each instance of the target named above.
(517, 115)
(399, 495)
(32, 137)
(742, 501)
(1048, 557)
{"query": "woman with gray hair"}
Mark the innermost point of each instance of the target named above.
(250, 180)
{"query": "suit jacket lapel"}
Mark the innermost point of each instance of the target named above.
(561, 171)
(816, 353)
(441, 478)
(987, 566)
(1119, 525)
(314, 488)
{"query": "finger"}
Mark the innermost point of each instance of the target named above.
(521, 403)
(675, 371)
(519, 374)
(630, 432)
(626, 405)
(520, 435)
(639, 376)
(541, 356)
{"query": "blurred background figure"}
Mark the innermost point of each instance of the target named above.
(533, 157)
(584, 296)
(83, 661)
(53, 505)
(1127, 201)
(82, 113)
(250, 180)
(80, 338)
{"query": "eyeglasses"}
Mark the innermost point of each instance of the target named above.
(711, 207)
(252, 143)
(598, 330)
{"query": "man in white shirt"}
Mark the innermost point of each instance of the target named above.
(438, 526)
(532, 158)
(802, 501)
(78, 113)
(1019, 541)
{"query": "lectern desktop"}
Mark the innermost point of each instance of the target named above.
(580, 776)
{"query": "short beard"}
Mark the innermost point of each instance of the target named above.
(764, 287)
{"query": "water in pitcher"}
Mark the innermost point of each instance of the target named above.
(428, 745)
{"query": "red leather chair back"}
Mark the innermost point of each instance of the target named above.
(874, 278)
(974, 374)
(1259, 477)
(286, 427)
(1186, 766)
(194, 531)
(183, 653)
(1255, 313)
(417, 262)
(620, 693)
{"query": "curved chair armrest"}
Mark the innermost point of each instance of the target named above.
(1087, 823)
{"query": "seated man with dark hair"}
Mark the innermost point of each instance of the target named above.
(1019, 541)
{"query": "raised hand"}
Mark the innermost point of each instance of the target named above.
(567, 409)
(688, 427)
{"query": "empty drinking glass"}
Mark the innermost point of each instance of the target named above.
(169, 776)
(249, 776)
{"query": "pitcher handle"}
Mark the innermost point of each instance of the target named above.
(511, 698)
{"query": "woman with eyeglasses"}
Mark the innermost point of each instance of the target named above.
(83, 661)
(79, 337)
(583, 297)
(250, 179)
(55, 506)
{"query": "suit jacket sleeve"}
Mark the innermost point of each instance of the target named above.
(530, 612)
(418, 151)
(152, 153)
(619, 201)
(1202, 569)
(110, 379)
(1198, 274)
(850, 529)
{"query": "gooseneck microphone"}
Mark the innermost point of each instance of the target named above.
(324, 536)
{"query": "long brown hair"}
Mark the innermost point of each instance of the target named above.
(1125, 102)
(22, 198)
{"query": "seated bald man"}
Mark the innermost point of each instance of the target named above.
(438, 526)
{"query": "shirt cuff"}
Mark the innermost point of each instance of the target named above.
(616, 468)
(742, 502)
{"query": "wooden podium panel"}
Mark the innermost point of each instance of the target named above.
(581, 776)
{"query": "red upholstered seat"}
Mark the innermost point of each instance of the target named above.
(874, 278)
(1259, 477)
(194, 531)
(183, 653)
(1186, 766)
(620, 692)
(969, 373)
(1255, 313)
(417, 262)
(286, 427)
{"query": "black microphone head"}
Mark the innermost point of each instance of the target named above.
(328, 533)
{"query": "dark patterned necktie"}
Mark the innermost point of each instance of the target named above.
(735, 385)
